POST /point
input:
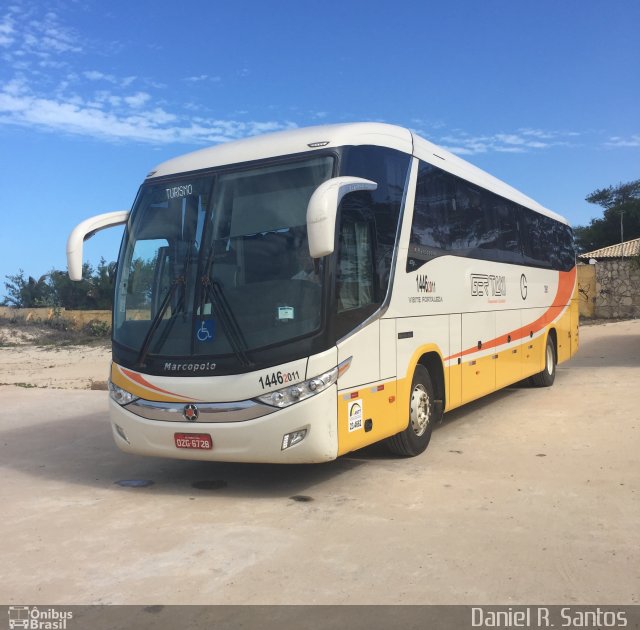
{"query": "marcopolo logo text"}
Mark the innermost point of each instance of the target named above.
(206, 366)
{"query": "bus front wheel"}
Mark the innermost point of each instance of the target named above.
(422, 416)
(548, 375)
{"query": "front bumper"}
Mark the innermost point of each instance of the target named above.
(257, 440)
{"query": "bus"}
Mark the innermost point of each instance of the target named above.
(296, 296)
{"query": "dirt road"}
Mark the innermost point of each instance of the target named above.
(530, 495)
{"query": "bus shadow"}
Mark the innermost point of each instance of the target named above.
(478, 406)
(80, 451)
(610, 351)
(380, 452)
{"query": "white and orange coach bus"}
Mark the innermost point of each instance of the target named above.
(300, 295)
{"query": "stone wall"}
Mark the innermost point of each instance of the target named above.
(618, 288)
(587, 290)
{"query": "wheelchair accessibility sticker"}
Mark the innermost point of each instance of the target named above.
(206, 332)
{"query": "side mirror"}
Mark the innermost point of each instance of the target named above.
(323, 208)
(83, 232)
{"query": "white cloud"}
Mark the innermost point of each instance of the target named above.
(100, 104)
(510, 139)
(41, 38)
(553, 135)
(421, 124)
(92, 102)
(15, 87)
(103, 120)
(618, 141)
(202, 77)
(7, 31)
(96, 75)
(137, 100)
(521, 141)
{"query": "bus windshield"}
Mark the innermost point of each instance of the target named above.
(219, 264)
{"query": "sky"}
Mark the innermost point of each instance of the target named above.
(543, 94)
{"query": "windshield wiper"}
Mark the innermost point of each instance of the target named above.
(223, 312)
(155, 322)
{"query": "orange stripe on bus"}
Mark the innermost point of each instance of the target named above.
(138, 378)
(566, 284)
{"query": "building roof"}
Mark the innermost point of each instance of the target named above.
(620, 250)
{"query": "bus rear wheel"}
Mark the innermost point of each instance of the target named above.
(422, 416)
(548, 375)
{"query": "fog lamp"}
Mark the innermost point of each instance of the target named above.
(293, 438)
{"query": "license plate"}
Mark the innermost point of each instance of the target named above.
(200, 441)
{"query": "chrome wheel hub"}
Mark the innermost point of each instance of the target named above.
(420, 411)
(550, 365)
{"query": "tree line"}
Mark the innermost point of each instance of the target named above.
(620, 219)
(93, 292)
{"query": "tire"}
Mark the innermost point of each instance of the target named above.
(423, 413)
(548, 375)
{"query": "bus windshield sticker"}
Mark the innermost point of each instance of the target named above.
(179, 191)
(354, 413)
(286, 312)
(206, 332)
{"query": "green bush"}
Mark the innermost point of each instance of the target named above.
(58, 322)
(97, 328)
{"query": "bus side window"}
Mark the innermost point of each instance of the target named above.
(536, 243)
(510, 246)
(354, 274)
(388, 168)
(433, 208)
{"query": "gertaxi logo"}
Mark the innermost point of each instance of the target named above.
(34, 618)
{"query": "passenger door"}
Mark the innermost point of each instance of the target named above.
(356, 300)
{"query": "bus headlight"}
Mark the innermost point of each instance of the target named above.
(121, 396)
(295, 393)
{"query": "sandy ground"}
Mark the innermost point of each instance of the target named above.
(527, 496)
(69, 367)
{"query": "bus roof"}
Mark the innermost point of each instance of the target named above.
(299, 140)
